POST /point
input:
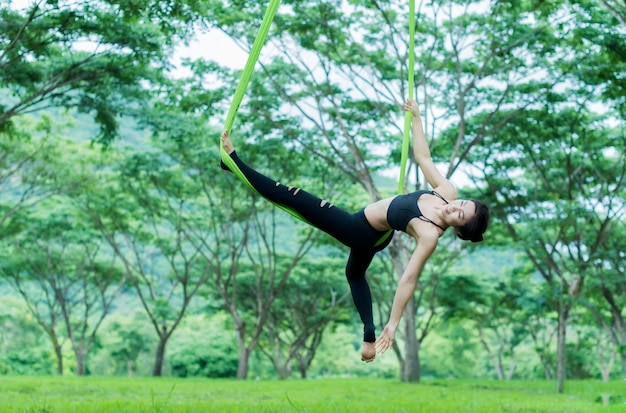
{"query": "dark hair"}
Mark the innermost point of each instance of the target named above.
(474, 229)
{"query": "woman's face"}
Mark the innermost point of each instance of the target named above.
(460, 212)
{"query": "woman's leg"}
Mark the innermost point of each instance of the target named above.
(358, 262)
(350, 229)
(319, 213)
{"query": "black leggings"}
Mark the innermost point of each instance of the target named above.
(352, 230)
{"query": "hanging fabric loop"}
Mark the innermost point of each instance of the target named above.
(411, 86)
(247, 74)
(259, 41)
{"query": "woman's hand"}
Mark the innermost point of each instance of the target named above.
(411, 106)
(385, 340)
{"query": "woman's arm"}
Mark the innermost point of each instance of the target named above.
(405, 290)
(421, 152)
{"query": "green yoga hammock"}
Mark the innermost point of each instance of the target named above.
(245, 79)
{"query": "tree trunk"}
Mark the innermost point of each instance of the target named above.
(496, 360)
(80, 361)
(500, 359)
(58, 353)
(606, 363)
(512, 366)
(130, 367)
(497, 364)
(620, 336)
(546, 365)
(283, 370)
(242, 367)
(605, 371)
(619, 325)
(160, 354)
(411, 367)
(561, 358)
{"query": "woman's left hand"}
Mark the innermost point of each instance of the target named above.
(411, 106)
(385, 340)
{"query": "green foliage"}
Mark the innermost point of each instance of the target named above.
(45, 61)
(129, 346)
(314, 296)
(526, 98)
(28, 361)
(125, 344)
(456, 356)
(23, 346)
(35, 163)
(59, 266)
(201, 350)
(339, 355)
(200, 359)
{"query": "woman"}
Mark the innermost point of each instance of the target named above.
(424, 215)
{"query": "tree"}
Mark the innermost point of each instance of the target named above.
(24, 347)
(314, 296)
(241, 239)
(32, 168)
(424, 312)
(606, 295)
(604, 63)
(340, 71)
(492, 302)
(65, 276)
(554, 154)
(144, 211)
(98, 57)
(541, 325)
(248, 267)
(561, 190)
(129, 345)
(616, 8)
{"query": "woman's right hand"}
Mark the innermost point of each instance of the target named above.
(385, 340)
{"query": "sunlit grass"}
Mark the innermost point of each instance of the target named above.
(168, 395)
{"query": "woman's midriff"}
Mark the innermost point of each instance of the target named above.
(376, 214)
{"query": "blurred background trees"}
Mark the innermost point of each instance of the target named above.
(126, 250)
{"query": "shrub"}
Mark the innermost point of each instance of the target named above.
(203, 360)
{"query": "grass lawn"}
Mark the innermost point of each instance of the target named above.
(358, 395)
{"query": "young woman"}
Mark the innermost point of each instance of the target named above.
(424, 215)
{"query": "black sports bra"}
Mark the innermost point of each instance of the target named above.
(404, 208)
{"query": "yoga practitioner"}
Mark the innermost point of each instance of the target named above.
(424, 215)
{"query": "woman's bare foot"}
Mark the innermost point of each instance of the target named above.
(226, 143)
(368, 352)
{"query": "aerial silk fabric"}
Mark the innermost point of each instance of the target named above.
(247, 74)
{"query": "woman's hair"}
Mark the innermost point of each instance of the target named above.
(474, 229)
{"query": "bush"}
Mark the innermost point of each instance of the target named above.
(203, 360)
(203, 347)
(28, 361)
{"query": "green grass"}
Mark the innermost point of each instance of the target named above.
(168, 395)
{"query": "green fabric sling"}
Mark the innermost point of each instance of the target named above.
(245, 79)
